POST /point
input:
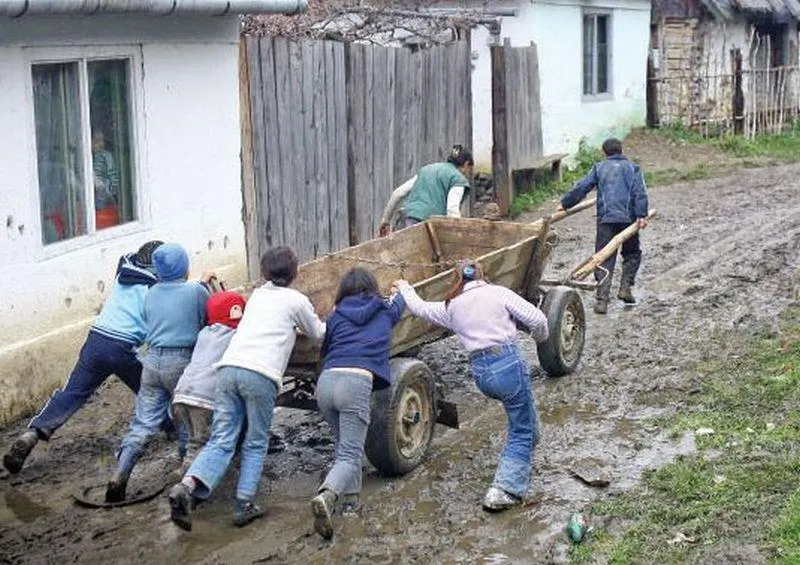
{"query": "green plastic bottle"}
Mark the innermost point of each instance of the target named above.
(576, 528)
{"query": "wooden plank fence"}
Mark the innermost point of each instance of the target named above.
(516, 116)
(329, 129)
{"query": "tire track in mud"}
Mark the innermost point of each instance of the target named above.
(722, 255)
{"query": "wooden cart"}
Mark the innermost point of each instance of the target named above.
(512, 254)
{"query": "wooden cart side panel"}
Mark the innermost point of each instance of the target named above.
(461, 238)
(319, 279)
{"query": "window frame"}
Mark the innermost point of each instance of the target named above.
(609, 94)
(84, 55)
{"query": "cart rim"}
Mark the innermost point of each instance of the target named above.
(413, 420)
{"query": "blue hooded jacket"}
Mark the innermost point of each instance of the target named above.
(122, 316)
(621, 193)
(359, 334)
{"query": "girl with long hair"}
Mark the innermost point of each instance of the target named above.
(356, 352)
(482, 316)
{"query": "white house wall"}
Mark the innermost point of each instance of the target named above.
(556, 28)
(188, 154)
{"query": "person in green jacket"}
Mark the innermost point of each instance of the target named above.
(436, 190)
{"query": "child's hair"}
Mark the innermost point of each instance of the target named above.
(279, 265)
(144, 256)
(225, 308)
(466, 271)
(612, 146)
(357, 280)
(460, 156)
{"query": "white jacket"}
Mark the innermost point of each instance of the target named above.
(266, 334)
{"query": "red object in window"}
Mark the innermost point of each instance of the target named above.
(106, 217)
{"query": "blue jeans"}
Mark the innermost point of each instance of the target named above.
(344, 402)
(100, 357)
(242, 395)
(500, 373)
(163, 366)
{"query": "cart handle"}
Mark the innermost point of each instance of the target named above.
(561, 214)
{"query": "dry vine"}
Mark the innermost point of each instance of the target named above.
(377, 22)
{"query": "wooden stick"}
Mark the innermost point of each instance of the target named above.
(587, 267)
(560, 215)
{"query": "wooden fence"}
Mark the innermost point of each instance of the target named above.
(516, 116)
(724, 93)
(329, 129)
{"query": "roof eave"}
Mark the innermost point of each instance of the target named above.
(19, 8)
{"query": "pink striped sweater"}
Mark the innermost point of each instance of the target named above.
(482, 316)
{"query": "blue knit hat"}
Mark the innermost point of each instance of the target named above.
(171, 261)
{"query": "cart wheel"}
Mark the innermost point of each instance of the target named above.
(402, 419)
(566, 321)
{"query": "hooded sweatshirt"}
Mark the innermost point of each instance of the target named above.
(122, 316)
(359, 335)
(198, 382)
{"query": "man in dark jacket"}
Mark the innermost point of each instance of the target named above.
(621, 200)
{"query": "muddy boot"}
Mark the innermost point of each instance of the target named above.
(349, 507)
(115, 489)
(20, 449)
(322, 508)
(180, 503)
(245, 512)
(497, 500)
(625, 294)
(601, 306)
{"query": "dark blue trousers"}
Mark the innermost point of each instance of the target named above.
(100, 357)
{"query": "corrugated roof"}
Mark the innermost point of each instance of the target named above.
(18, 8)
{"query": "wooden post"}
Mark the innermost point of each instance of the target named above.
(500, 173)
(652, 93)
(249, 195)
(737, 105)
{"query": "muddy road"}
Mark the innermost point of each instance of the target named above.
(722, 255)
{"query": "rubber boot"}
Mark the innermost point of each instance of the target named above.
(625, 294)
(116, 487)
(20, 449)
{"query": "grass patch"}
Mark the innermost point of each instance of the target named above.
(740, 491)
(584, 159)
(783, 147)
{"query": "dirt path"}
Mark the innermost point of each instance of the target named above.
(723, 254)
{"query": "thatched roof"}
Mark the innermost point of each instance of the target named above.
(776, 10)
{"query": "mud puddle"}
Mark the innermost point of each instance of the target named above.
(716, 259)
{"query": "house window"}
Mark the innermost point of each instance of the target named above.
(596, 54)
(82, 113)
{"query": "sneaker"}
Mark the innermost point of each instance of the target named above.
(115, 489)
(497, 500)
(246, 512)
(20, 449)
(180, 502)
(625, 294)
(322, 508)
(601, 307)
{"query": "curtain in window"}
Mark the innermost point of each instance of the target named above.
(59, 150)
